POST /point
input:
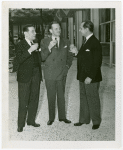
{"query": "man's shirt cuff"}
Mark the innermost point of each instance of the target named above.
(29, 52)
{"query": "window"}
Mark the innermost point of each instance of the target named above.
(107, 33)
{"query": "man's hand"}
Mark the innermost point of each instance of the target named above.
(88, 80)
(73, 49)
(33, 47)
(52, 44)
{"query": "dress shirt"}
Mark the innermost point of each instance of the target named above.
(28, 41)
(58, 39)
(88, 36)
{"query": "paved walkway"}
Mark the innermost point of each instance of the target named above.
(60, 131)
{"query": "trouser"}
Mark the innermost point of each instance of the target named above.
(56, 87)
(90, 103)
(28, 94)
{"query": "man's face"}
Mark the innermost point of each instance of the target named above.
(83, 30)
(30, 34)
(56, 30)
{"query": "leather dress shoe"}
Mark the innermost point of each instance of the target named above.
(79, 124)
(95, 127)
(50, 122)
(33, 124)
(65, 120)
(20, 129)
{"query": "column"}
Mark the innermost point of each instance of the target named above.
(95, 20)
(111, 54)
(70, 24)
(64, 29)
(111, 39)
(78, 20)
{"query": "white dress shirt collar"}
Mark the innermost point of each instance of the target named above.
(28, 41)
(89, 36)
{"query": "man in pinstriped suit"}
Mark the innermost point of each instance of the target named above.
(58, 60)
(29, 77)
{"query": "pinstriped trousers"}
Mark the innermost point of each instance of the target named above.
(90, 103)
(56, 87)
(28, 94)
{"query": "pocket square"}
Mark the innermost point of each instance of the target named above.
(87, 50)
(39, 49)
(65, 46)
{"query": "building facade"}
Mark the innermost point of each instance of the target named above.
(70, 19)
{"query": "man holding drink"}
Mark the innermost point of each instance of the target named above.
(58, 60)
(89, 61)
(29, 77)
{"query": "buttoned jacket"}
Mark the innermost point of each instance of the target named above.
(56, 61)
(89, 60)
(25, 62)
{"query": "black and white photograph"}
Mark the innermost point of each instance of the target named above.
(61, 74)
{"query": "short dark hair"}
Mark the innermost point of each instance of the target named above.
(25, 28)
(54, 22)
(88, 24)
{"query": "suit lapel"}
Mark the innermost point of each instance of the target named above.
(83, 47)
(25, 44)
(61, 43)
(48, 41)
(88, 41)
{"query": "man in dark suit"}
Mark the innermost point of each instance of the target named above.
(89, 60)
(58, 59)
(29, 77)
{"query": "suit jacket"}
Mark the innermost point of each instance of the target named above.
(89, 60)
(56, 61)
(25, 61)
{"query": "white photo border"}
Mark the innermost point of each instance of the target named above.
(5, 78)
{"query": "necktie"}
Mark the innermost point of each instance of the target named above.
(84, 41)
(56, 43)
(31, 43)
(35, 57)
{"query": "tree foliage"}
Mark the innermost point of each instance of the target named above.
(48, 16)
(31, 15)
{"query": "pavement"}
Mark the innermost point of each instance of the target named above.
(59, 131)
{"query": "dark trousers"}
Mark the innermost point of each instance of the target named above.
(90, 103)
(56, 87)
(28, 99)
